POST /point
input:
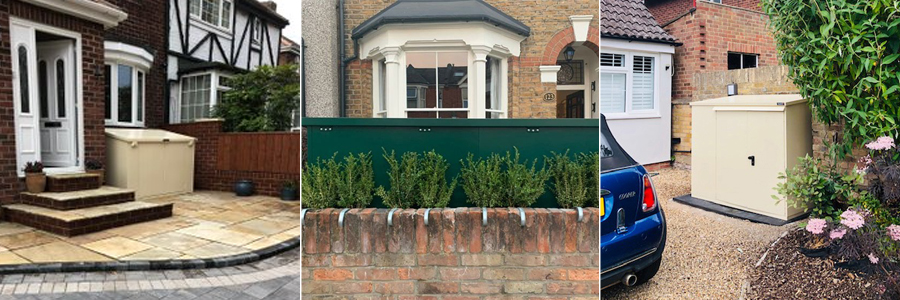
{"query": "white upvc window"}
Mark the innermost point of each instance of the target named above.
(258, 28)
(199, 95)
(628, 84)
(213, 12)
(125, 94)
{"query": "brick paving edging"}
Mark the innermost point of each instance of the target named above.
(69, 286)
(149, 265)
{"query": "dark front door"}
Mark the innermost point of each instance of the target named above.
(575, 105)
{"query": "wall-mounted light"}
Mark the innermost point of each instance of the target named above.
(732, 89)
(569, 52)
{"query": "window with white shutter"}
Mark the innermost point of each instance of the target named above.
(642, 97)
(612, 93)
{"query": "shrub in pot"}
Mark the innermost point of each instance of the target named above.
(289, 191)
(434, 191)
(523, 185)
(35, 179)
(482, 180)
(591, 162)
(356, 181)
(319, 188)
(570, 184)
(417, 180)
(94, 166)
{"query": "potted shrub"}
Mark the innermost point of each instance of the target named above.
(35, 179)
(94, 166)
(289, 191)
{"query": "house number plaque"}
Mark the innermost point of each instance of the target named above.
(549, 97)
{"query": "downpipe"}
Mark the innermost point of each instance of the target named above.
(629, 280)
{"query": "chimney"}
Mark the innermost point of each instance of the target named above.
(271, 5)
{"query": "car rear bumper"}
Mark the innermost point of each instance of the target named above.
(635, 263)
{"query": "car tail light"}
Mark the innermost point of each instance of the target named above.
(649, 196)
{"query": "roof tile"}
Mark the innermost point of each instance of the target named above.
(630, 19)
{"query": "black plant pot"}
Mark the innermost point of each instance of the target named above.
(289, 194)
(820, 252)
(244, 188)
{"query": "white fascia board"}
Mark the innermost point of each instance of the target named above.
(85, 9)
(128, 54)
(442, 36)
(608, 43)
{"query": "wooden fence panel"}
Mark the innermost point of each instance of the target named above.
(259, 152)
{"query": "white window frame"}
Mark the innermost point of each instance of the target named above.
(198, 16)
(628, 69)
(715, 1)
(114, 96)
(214, 88)
(256, 37)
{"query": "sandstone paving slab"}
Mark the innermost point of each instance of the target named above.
(175, 241)
(225, 236)
(7, 228)
(261, 227)
(117, 247)
(10, 258)
(27, 239)
(215, 250)
(60, 252)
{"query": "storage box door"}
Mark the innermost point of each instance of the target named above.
(749, 156)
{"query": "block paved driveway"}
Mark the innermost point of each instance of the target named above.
(276, 278)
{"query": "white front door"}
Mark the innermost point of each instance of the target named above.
(55, 94)
(45, 74)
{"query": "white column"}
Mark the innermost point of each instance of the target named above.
(479, 86)
(392, 83)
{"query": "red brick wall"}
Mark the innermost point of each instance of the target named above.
(709, 34)
(552, 257)
(93, 91)
(207, 176)
(146, 27)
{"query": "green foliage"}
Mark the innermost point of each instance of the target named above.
(843, 56)
(329, 183)
(434, 190)
(261, 100)
(482, 180)
(417, 181)
(357, 181)
(570, 185)
(319, 188)
(823, 190)
(591, 163)
(880, 214)
(524, 185)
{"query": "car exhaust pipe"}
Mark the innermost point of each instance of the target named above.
(629, 280)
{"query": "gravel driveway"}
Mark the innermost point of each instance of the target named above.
(707, 256)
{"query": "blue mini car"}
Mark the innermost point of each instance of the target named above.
(632, 224)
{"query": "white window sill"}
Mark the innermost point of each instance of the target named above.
(633, 115)
(119, 124)
(221, 31)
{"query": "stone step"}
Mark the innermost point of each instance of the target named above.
(79, 199)
(86, 220)
(61, 183)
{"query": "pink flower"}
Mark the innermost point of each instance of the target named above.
(852, 219)
(873, 259)
(894, 232)
(865, 160)
(838, 233)
(882, 143)
(816, 226)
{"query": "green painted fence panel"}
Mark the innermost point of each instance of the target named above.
(452, 138)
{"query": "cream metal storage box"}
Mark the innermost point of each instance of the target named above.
(151, 162)
(741, 143)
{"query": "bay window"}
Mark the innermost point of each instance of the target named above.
(628, 85)
(433, 84)
(125, 94)
(199, 94)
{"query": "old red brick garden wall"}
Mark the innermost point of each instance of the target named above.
(456, 257)
(208, 172)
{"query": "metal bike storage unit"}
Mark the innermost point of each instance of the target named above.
(151, 162)
(741, 144)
